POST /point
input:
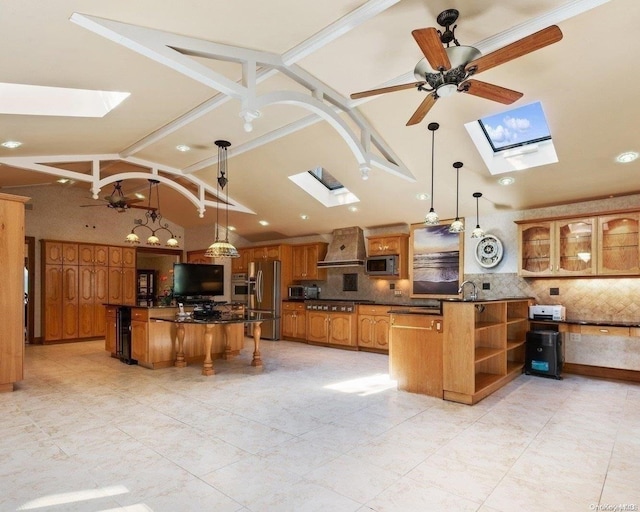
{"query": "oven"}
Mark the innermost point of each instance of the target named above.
(240, 288)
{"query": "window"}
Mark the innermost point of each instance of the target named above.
(518, 127)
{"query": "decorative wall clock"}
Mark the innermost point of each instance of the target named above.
(489, 251)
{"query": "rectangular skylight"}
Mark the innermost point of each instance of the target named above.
(513, 140)
(324, 187)
(37, 100)
(517, 127)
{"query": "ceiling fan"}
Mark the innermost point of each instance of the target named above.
(118, 201)
(448, 69)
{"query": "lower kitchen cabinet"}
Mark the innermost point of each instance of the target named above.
(415, 353)
(111, 327)
(332, 328)
(294, 321)
(373, 328)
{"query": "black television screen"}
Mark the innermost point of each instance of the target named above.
(197, 280)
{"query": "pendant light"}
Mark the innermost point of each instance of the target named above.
(431, 219)
(457, 226)
(478, 232)
(151, 216)
(219, 248)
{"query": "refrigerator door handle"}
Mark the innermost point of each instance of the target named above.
(259, 286)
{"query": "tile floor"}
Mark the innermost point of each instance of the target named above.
(317, 429)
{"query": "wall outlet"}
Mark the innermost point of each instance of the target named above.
(397, 293)
(554, 291)
(574, 337)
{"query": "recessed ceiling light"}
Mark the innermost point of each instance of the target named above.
(183, 147)
(507, 180)
(304, 216)
(231, 228)
(139, 195)
(63, 181)
(264, 223)
(11, 144)
(353, 209)
(422, 196)
(626, 157)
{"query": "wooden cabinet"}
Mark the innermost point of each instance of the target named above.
(111, 326)
(558, 248)
(12, 290)
(619, 244)
(241, 264)
(268, 252)
(373, 327)
(415, 353)
(294, 321)
(122, 275)
(93, 289)
(199, 257)
(70, 301)
(484, 347)
(385, 245)
(305, 259)
(140, 334)
(332, 328)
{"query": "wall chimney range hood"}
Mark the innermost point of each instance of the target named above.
(346, 249)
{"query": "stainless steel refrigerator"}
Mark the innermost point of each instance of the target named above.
(265, 295)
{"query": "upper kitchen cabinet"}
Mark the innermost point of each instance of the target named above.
(564, 247)
(305, 261)
(268, 252)
(619, 244)
(385, 245)
(241, 264)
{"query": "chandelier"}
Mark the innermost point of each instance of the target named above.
(222, 248)
(149, 222)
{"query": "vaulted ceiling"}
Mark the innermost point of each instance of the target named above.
(198, 71)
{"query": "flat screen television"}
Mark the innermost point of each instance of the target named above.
(197, 281)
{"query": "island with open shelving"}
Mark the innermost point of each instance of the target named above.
(484, 347)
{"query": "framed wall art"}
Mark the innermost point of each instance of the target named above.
(436, 261)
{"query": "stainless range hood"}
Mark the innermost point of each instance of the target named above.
(346, 249)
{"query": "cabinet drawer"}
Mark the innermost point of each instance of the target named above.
(604, 330)
(373, 310)
(111, 312)
(140, 314)
(293, 306)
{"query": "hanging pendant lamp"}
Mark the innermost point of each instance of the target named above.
(432, 219)
(478, 232)
(222, 248)
(457, 226)
(151, 216)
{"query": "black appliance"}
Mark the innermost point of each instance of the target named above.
(197, 282)
(382, 265)
(544, 354)
(123, 335)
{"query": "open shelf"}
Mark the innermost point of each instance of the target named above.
(512, 344)
(514, 367)
(483, 353)
(484, 380)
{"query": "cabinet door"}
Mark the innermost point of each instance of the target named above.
(101, 255)
(288, 323)
(86, 300)
(53, 253)
(382, 246)
(110, 330)
(536, 249)
(52, 328)
(115, 256)
(299, 262)
(575, 242)
(100, 297)
(198, 257)
(317, 326)
(340, 331)
(241, 264)
(115, 285)
(85, 254)
(380, 330)
(70, 302)
(619, 244)
(365, 331)
(139, 340)
(129, 257)
(69, 254)
(300, 325)
(129, 286)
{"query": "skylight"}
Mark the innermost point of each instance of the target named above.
(324, 187)
(517, 127)
(514, 140)
(36, 100)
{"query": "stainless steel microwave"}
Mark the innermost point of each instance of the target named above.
(382, 265)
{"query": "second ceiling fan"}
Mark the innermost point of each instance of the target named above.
(448, 69)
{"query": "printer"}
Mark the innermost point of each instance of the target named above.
(554, 313)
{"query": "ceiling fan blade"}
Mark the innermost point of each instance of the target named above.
(429, 42)
(528, 44)
(490, 91)
(382, 90)
(423, 109)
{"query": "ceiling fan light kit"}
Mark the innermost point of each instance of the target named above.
(447, 69)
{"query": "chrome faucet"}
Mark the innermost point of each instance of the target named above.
(474, 293)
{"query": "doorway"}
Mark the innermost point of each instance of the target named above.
(29, 286)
